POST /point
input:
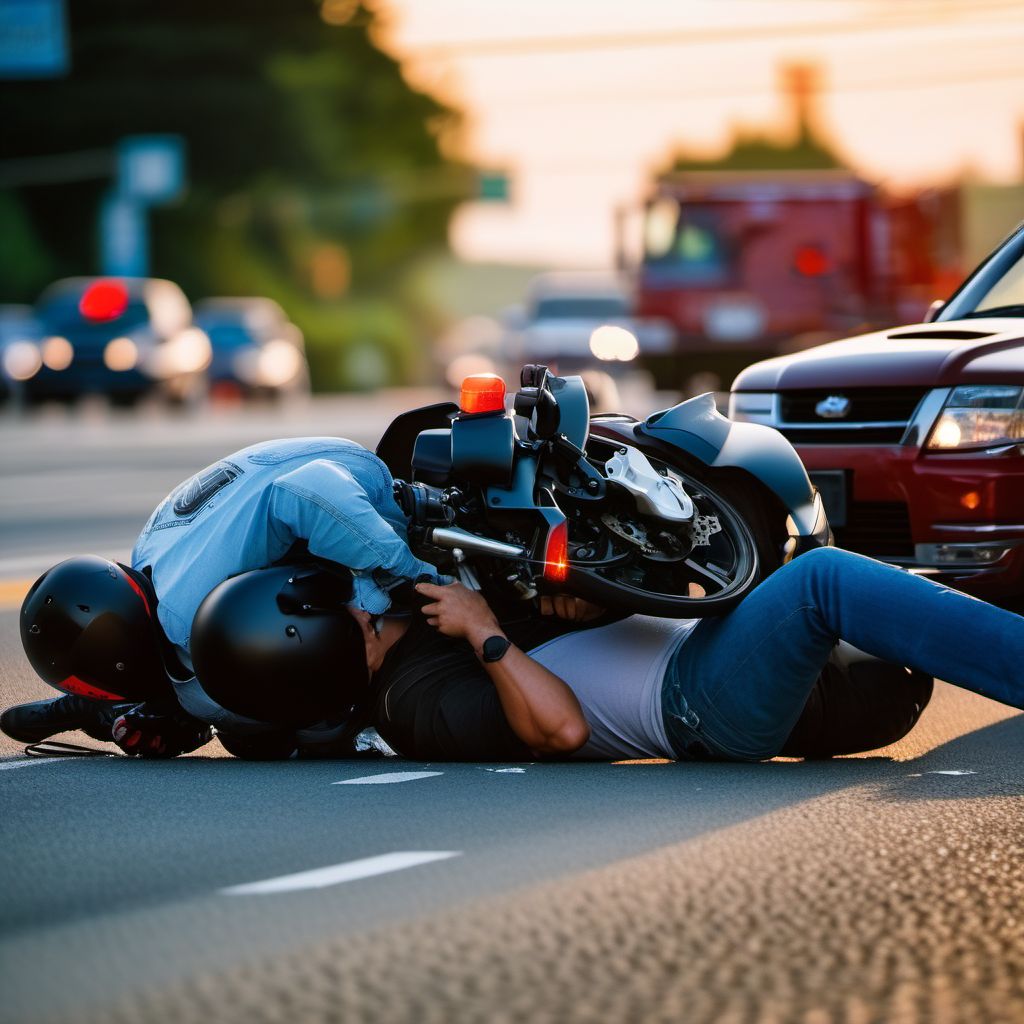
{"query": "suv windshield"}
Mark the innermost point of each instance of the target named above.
(996, 289)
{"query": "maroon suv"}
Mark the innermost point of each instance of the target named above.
(915, 435)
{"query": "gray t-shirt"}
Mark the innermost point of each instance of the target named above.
(616, 672)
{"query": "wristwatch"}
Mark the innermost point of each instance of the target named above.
(494, 648)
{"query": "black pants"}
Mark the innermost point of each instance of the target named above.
(856, 706)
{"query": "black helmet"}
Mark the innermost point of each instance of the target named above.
(87, 628)
(279, 645)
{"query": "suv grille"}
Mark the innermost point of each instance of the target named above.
(867, 405)
(875, 415)
(871, 435)
(878, 528)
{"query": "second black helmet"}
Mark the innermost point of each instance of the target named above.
(280, 646)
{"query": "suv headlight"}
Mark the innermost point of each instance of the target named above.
(980, 416)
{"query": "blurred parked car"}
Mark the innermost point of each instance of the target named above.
(257, 351)
(20, 333)
(573, 320)
(123, 338)
(580, 322)
(915, 435)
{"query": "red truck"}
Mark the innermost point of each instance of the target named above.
(914, 436)
(773, 261)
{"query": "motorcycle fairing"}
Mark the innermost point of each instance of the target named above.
(395, 448)
(699, 429)
(483, 448)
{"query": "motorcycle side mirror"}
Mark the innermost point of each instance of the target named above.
(533, 375)
(546, 417)
(535, 402)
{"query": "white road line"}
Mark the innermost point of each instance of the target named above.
(16, 566)
(29, 761)
(320, 878)
(375, 780)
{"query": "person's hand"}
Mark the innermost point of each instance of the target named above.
(154, 732)
(459, 612)
(572, 609)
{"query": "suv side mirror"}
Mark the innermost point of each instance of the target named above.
(937, 306)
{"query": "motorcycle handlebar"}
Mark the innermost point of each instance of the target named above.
(424, 505)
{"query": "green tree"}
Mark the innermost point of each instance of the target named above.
(299, 133)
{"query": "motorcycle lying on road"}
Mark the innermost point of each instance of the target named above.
(679, 515)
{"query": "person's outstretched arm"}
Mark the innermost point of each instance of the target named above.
(541, 709)
(323, 504)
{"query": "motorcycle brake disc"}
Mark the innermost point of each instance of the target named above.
(703, 527)
(637, 535)
(701, 530)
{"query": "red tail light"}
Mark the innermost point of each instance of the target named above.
(482, 392)
(811, 261)
(103, 300)
(556, 553)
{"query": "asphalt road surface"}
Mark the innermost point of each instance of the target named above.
(886, 887)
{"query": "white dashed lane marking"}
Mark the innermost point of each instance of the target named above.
(376, 780)
(336, 874)
(29, 761)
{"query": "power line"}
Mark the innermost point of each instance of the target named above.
(535, 45)
(666, 95)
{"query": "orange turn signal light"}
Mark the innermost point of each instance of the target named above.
(482, 392)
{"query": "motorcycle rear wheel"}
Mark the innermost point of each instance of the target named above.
(638, 585)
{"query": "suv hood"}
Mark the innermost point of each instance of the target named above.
(923, 355)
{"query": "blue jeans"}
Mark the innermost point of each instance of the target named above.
(736, 687)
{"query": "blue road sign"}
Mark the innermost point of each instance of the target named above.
(33, 39)
(151, 168)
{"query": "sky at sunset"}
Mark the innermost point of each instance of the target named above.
(580, 99)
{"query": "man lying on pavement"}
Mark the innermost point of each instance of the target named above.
(728, 688)
(119, 640)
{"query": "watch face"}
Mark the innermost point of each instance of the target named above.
(495, 647)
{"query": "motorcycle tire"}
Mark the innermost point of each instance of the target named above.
(744, 505)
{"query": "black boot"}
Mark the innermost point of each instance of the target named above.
(31, 723)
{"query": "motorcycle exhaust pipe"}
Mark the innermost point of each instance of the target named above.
(453, 537)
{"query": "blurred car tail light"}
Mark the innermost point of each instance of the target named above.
(121, 354)
(22, 360)
(610, 343)
(103, 301)
(279, 362)
(58, 353)
(482, 392)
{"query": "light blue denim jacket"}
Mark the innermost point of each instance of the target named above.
(247, 510)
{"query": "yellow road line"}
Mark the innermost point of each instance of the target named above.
(646, 760)
(12, 593)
